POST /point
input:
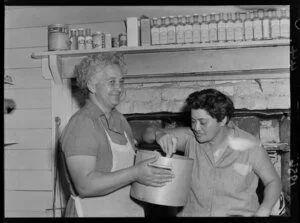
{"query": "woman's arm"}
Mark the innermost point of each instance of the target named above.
(170, 140)
(90, 182)
(271, 180)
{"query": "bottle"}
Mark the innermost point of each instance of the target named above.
(175, 25)
(163, 39)
(80, 39)
(88, 39)
(154, 31)
(171, 39)
(275, 25)
(204, 30)
(196, 29)
(73, 39)
(180, 30)
(221, 26)
(212, 28)
(266, 24)
(248, 27)
(257, 26)
(284, 24)
(239, 28)
(188, 29)
(230, 28)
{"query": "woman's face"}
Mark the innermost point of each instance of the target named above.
(205, 127)
(109, 86)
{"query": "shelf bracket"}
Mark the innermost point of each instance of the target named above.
(55, 64)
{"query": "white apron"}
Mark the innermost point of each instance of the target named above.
(117, 203)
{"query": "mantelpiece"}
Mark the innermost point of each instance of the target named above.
(170, 63)
(196, 61)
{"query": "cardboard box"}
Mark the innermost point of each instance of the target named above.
(132, 26)
(145, 31)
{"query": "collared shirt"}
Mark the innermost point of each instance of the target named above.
(85, 135)
(226, 187)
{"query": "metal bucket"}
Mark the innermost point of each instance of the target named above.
(174, 193)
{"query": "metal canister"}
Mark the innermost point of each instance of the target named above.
(97, 40)
(115, 42)
(122, 39)
(103, 40)
(58, 37)
(73, 39)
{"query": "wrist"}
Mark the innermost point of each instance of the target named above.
(263, 211)
(133, 171)
(157, 134)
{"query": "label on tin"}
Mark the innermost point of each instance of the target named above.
(213, 36)
(257, 29)
(221, 32)
(154, 36)
(275, 28)
(230, 31)
(122, 40)
(188, 33)
(266, 29)
(248, 30)
(284, 28)
(196, 33)
(180, 34)
(239, 31)
(171, 36)
(97, 41)
(204, 33)
(163, 38)
(88, 42)
(81, 45)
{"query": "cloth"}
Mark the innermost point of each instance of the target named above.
(117, 203)
(84, 134)
(226, 187)
(90, 119)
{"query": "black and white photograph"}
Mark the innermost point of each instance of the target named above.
(178, 111)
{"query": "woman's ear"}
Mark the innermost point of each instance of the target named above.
(224, 121)
(91, 86)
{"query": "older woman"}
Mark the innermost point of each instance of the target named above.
(227, 160)
(99, 147)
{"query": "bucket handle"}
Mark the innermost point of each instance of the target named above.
(160, 166)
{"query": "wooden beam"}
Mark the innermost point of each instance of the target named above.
(55, 64)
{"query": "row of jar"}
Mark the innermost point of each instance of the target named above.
(83, 39)
(59, 38)
(221, 27)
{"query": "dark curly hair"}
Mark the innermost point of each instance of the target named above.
(89, 65)
(217, 104)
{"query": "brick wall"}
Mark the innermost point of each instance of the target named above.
(249, 94)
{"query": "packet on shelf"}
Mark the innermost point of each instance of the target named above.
(132, 26)
(145, 32)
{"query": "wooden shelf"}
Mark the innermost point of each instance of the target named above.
(53, 62)
(166, 48)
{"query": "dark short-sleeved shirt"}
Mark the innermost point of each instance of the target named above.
(84, 134)
(226, 187)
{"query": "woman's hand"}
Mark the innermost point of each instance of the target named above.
(152, 176)
(262, 212)
(167, 142)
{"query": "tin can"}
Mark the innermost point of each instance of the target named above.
(103, 40)
(81, 39)
(58, 37)
(88, 39)
(107, 40)
(97, 40)
(115, 42)
(73, 39)
(122, 39)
